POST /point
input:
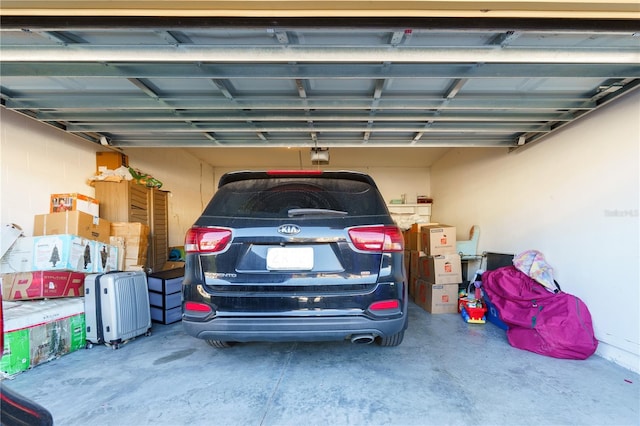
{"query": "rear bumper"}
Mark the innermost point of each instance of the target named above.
(309, 329)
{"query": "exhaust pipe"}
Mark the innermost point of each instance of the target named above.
(363, 339)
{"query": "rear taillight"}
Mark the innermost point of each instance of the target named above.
(197, 307)
(385, 305)
(377, 238)
(207, 240)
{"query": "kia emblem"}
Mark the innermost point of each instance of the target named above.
(289, 229)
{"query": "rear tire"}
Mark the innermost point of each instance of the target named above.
(393, 340)
(220, 344)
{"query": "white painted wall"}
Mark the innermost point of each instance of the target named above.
(574, 197)
(37, 161)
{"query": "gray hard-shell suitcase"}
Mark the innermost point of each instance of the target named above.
(116, 307)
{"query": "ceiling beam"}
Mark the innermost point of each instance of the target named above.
(90, 102)
(328, 143)
(212, 117)
(311, 71)
(295, 53)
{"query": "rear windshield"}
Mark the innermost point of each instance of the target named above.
(287, 197)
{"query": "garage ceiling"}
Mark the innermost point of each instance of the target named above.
(198, 83)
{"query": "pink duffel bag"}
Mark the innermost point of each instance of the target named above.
(549, 323)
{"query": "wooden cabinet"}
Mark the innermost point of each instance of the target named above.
(123, 201)
(128, 201)
(159, 224)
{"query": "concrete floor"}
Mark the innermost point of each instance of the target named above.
(445, 372)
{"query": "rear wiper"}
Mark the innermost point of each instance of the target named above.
(316, 212)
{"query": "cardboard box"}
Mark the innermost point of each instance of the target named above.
(420, 293)
(19, 257)
(441, 298)
(413, 264)
(415, 241)
(111, 160)
(442, 269)
(405, 236)
(413, 289)
(73, 222)
(407, 262)
(60, 252)
(8, 235)
(37, 331)
(119, 243)
(42, 285)
(136, 242)
(106, 258)
(438, 239)
(73, 202)
(63, 252)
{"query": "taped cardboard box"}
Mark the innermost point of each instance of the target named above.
(438, 239)
(74, 202)
(136, 242)
(111, 160)
(119, 243)
(440, 298)
(441, 269)
(37, 331)
(73, 222)
(42, 285)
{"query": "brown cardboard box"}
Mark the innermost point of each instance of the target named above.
(442, 269)
(413, 264)
(420, 289)
(72, 222)
(438, 239)
(136, 242)
(111, 160)
(405, 235)
(72, 202)
(441, 298)
(413, 288)
(42, 285)
(415, 241)
(119, 243)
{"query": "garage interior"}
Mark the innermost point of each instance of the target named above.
(521, 118)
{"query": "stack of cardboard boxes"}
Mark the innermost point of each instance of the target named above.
(434, 267)
(42, 277)
(72, 239)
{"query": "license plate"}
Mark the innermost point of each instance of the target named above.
(290, 258)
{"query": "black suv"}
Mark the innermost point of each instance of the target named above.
(295, 255)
